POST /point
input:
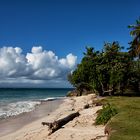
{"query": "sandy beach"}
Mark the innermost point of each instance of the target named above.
(14, 123)
(80, 128)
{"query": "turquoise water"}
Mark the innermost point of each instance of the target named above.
(16, 101)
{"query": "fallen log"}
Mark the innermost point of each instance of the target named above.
(54, 126)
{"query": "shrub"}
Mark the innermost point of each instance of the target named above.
(105, 114)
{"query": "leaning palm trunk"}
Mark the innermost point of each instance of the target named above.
(135, 45)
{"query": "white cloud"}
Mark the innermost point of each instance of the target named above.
(38, 65)
(37, 49)
(69, 61)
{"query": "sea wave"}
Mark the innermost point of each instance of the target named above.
(16, 108)
(51, 99)
(13, 109)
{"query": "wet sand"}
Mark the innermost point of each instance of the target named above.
(14, 123)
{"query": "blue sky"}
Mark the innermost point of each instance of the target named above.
(65, 26)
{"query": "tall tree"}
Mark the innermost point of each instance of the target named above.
(112, 69)
(85, 75)
(104, 72)
(135, 43)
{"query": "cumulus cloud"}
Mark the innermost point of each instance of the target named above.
(38, 66)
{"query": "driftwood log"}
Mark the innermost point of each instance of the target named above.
(54, 126)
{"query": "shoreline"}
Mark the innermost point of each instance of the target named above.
(40, 111)
(81, 127)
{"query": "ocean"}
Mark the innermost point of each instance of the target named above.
(14, 101)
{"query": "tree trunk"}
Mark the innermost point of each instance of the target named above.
(54, 126)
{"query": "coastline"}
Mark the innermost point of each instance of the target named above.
(13, 123)
(81, 127)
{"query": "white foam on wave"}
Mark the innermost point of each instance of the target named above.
(17, 108)
(51, 98)
(48, 99)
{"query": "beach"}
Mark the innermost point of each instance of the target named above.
(14, 123)
(80, 128)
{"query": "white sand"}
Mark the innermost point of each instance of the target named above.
(81, 128)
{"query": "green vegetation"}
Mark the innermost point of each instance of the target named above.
(105, 114)
(135, 43)
(109, 71)
(126, 124)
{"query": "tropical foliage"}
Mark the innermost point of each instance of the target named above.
(135, 43)
(105, 114)
(111, 70)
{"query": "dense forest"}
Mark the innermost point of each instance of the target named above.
(112, 70)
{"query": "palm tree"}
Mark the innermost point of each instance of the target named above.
(135, 43)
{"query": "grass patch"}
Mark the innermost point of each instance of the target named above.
(126, 124)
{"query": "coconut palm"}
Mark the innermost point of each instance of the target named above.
(135, 43)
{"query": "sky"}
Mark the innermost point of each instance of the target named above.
(41, 41)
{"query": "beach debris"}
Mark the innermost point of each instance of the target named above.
(98, 104)
(86, 106)
(54, 126)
